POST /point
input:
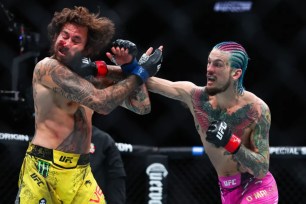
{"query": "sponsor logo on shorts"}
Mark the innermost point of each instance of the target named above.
(36, 179)
(43, 168)
(230, 182)
(97, 196)
(66, 159)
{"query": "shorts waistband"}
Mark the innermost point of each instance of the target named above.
(63, 159)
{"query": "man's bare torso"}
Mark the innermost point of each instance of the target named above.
(241, 118)
(60, 123)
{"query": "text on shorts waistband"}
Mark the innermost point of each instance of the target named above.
(59, 158)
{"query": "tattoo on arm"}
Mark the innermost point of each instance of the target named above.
(138, 102)
(115, 73)
(81, 91)
(257, 161)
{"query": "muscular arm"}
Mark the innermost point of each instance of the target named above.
(180, 90)
(257, 162)
(138, 101)
(61, 80)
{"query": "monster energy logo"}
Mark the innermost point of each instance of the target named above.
(43, 168)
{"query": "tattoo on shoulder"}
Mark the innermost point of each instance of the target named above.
(69, 84)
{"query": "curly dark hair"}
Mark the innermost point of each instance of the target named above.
(100, 29)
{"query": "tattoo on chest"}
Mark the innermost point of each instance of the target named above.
(238, 120)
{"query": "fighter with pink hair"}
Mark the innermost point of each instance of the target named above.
(233, 125)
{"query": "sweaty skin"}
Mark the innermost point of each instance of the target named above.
(247, 115)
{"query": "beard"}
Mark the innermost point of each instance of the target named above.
(70, 60)
(74, 61)
(214, 91)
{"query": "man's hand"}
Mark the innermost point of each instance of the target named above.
(150, 62)
(89, 68)
(84, 67)
(123, 52)
(219, 134)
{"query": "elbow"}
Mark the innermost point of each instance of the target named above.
(102, 112)
(145, 113)
(264, 167)
(261, 175)
(145, 110)
(263, 171)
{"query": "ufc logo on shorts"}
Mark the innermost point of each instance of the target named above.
(36, 179)
(220, 133)
(229, 182)
(66, 159)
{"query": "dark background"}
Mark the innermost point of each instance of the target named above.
(273, 32)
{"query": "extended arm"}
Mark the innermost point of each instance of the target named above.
(180, 90)
(124, 53)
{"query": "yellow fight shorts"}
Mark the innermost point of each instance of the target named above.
(53, 177)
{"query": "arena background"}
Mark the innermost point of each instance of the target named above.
(273, 33)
